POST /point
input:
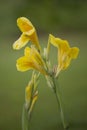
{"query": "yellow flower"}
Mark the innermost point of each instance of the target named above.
(28, 34)
(65, 52)
(31, 60)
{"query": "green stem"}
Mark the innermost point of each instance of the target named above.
(61, 110)
(25, 120)
(57, 94)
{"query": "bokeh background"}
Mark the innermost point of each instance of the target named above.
(64, 19)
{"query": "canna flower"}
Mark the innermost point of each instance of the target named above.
(28, 34)
(31, 60)
(65, 52)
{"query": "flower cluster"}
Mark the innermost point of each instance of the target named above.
(37, 60)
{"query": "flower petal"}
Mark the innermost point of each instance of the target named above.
(57, 42)
(21, 42)
(74, 51)
(24, 24)
(72, 54)
(27, 51)
(52, 40)
(31, 60)
(23, 64)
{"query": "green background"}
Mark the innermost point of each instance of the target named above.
(64, 19)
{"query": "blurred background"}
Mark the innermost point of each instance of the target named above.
(64, 19)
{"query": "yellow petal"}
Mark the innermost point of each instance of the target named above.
(28, 30)
(24, 24)
(23, 64)
(27, 51)
(66, 63)
(66, 57)
(74, 51)
(33, 38)
(26, 63)
(57, 42)
(52, 40)
(36, 59)
(35, 41)
(63, 49)
(63, 46)
(21, 42)
(34, 55)
(37, 56)
(72, 54)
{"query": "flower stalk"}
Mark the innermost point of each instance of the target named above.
(59, 102)
(25, 120)
(54, 86)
